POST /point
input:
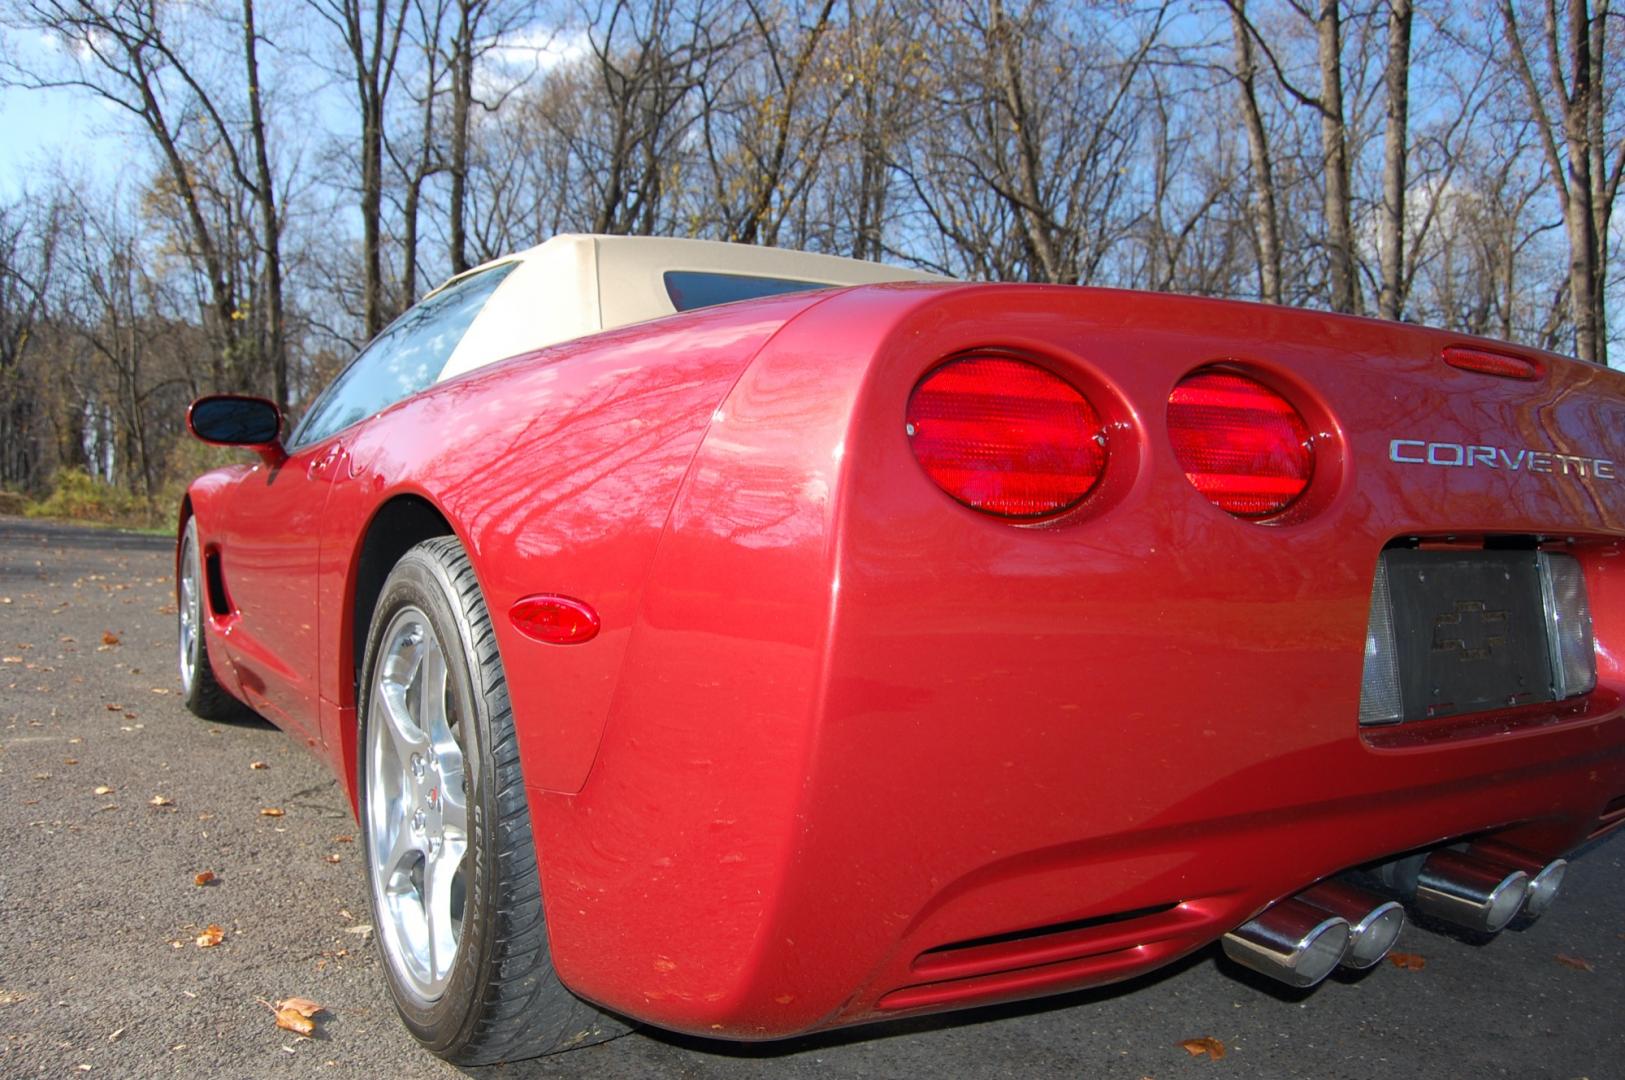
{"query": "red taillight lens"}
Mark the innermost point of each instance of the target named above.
(556, 620)
(1005, 436)
(1241, 444)
(1489, 363)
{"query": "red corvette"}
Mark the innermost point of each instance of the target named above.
(858, 650)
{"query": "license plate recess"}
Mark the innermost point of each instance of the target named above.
(1470, 631)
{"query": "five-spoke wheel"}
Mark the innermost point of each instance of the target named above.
(417, 803)
(451, 863)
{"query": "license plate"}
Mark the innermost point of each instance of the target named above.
(1469, 630)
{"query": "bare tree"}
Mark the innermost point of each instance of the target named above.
(1572, 121)
(1015, 185)
(28, 248)
(371, 37)
(128, 55)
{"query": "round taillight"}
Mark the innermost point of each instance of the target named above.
(556, 620)
(1005, 436)
(1240, 443)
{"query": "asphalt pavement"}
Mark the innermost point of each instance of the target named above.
(113, 799)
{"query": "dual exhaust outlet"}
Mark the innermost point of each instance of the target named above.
(1304, 938)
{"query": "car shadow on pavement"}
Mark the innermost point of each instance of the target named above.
(824, 1040)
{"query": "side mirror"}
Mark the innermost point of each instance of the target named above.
(239, 420)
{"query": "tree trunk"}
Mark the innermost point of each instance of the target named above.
(462, 98)
(1334, 149)
(270, 222)
(1265, 216)
(1391, 302)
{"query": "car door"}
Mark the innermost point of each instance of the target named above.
(273, 562)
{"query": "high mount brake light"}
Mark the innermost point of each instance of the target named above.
(1491, 363)
(1240, 443)
(1006, 437)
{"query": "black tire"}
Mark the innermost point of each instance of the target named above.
(501, 1000)
(205, 697)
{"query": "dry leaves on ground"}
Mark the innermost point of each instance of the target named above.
(102, 789)
(1407, 961)
(212, 935)
(1578, 963)
(161, 800)
(272, 811)
(109, 638)
(1207, 1046)
(203, 878)
(258, 765)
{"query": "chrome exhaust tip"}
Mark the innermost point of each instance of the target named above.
(1543, 888)
(1470, 891)
(1545, 878)
(1374, 923)
(1292, 941)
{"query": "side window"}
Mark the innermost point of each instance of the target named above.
(690, 289)
(405, 358)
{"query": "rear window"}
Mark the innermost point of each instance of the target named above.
(690, 289)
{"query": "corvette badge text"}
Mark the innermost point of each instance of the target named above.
(1459, 456)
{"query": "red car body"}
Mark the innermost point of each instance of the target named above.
(845, 749)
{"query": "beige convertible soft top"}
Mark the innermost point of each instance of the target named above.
(577, 284)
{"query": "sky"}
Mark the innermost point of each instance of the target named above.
(39, 126)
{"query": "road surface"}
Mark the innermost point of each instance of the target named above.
(100, 973)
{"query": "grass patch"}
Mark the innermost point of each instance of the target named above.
(79, 497)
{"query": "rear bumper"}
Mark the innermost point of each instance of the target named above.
(903, 884)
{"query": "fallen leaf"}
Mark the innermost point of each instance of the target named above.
(109, 638)
(161, 800)
(116, 1036)
(272, 811)
(289, 1020)
(102, 790)
(365, 930)
(303, 1006)
(159, 690)
(212, 935)
(203, 878)
(1575, 962)
(258, 765)
(115, 706)
(1407, 961)
(331, 858)
(1207, 1046)
(295, 1015)
(343, 839)
(70, 761)
(42, 776)
(11, 997)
